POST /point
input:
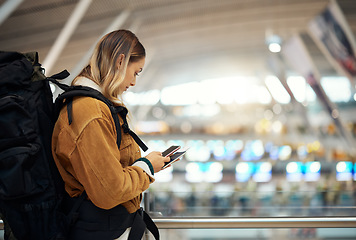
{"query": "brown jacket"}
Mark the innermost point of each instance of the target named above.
(87, 157)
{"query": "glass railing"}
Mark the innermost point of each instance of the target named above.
(282, 228)
(252, 215)
(251, 204)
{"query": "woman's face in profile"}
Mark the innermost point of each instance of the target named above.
(132, 71)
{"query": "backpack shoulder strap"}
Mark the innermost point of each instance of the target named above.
(122, 111)
(66, 98)
(73, 91)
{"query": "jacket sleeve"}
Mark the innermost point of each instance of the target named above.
(96, 161)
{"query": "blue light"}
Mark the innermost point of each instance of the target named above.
(244, 170)
(217, 147)
(344, 171)
(284, 152)
(204, 172)
(294, 171)
(233, 147)
(274, 152)
(253, 150)
(312, 171)
(263, 172)
(198, 151)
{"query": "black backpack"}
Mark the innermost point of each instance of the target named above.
(31, 189)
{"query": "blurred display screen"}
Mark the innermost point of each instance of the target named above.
(344, 171)
(204, 172)
(263, 172)
(284, 152)
(218, 149)
(302, 152)
(198, 151)
(294, 171)
(274, 152)
(233, 148)
(253, 150)
(244, 171)
(279, 152)
(312, 171)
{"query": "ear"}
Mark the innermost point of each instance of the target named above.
(120, 60)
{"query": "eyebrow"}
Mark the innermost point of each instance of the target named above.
(140, 70)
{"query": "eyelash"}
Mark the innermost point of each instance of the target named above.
(136, 74)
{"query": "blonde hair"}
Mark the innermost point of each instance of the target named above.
(103, 67)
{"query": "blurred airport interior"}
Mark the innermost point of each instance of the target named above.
(261, 91)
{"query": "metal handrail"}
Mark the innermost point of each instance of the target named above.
(245, 222)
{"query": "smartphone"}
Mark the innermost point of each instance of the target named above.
(169, 151)
(174, 157)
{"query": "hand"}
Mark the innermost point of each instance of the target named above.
(157, 160)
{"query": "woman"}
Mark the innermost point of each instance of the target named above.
(86, 153)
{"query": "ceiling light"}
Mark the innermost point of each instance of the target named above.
(273, 41)
(274, 47)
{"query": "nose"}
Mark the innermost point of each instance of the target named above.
(133, 83)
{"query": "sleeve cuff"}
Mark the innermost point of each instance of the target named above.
(146, 166)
